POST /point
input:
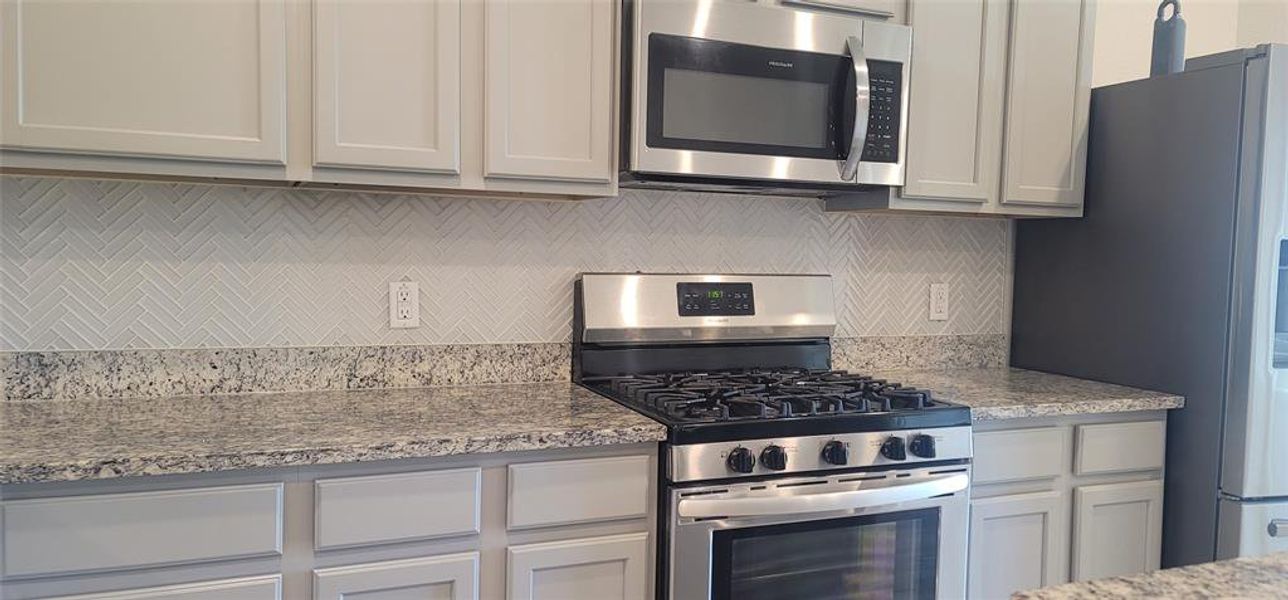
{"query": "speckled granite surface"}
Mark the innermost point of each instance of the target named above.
(865, 354)
(1263, 577)
(1006, 393)
(166, 373)
(44, 375)
(64, 440)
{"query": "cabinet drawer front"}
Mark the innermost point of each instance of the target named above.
(356, 511)
(578, 491)
(1119, 447)
(1018, 455)
(112, 531)
(266, 587)
(448, 577)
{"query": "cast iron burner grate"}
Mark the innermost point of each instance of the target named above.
(693, 397)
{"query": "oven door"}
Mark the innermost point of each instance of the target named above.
(898, 534)
(744, 91)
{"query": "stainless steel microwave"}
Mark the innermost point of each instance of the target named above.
(747, 95)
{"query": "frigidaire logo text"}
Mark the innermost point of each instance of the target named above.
(779, 63)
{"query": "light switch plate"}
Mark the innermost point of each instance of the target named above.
(938, 302)
(404, 304)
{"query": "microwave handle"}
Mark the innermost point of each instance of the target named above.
(862, 108)
(796, 504)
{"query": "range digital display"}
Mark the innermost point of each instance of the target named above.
(715, 299)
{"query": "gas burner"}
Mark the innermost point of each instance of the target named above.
(702, 397)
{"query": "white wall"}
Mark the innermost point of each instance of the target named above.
(1125, 33)
(1262, 21)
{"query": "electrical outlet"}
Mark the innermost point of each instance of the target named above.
(938, 302)
(404, 304)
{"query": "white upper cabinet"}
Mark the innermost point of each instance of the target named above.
(955, 99)
(998, 107)
(1048, 99)
(549, 89)
(387, 84)
(201, 80)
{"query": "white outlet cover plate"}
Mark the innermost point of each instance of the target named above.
(404, 304)
(939, 302)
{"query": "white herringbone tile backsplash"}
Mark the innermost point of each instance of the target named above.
(97, 264)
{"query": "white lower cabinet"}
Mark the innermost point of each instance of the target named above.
(1020, 542)
(266, 587)
(1055, 499)
(1117, 528)
(602, 568)
(577, 527)
(449, 577)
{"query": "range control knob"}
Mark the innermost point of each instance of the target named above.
(741, 460)
(773, 457)
(835, 453)
(893, 448)
(922, 445)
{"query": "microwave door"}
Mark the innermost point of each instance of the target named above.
(723, 109)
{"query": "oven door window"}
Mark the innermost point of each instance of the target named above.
(721, 97)
(891, 555)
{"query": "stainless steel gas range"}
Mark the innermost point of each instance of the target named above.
(780, 478)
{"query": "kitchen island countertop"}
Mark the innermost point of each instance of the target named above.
(1260, 577)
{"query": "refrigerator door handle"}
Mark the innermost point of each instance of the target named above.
(1277, 528)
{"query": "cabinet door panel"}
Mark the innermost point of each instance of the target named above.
(956, 99)
(605, 568)
(190, 80)
(1117, 529)
(1047, 101)
(387, 84)
(449, 577)
(549, 89)
(1017, 543)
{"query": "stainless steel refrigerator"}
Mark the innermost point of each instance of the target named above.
(1177, 280)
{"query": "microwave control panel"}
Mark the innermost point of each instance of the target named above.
(711, 299)
(883, 119)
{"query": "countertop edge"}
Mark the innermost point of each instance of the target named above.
(181, 464)
(1073, 409)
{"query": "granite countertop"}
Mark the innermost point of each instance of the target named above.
(66, 440)
(1262, 577)
(1007, 393)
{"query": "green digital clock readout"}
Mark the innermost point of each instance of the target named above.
(714, 299)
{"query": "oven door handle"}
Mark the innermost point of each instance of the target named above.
(757, 506)
(862, 107)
